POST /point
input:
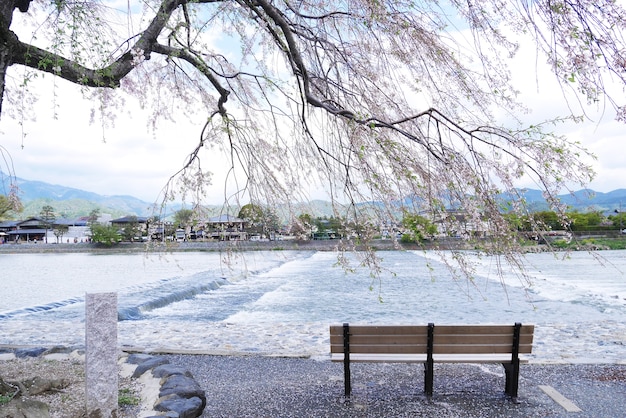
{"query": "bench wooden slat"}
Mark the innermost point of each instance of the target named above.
(440, 338)
(480, 329)
(439, 329)
(421, 358)
(381, 358)
(478, 349)
(381, 329)
(475, 358)
(381, 339)
(461, 329)
(480, 339)
(396, 349)
(437, 349)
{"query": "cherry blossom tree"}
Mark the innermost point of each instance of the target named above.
(406, 103)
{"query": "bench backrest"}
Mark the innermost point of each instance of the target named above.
(447, 339)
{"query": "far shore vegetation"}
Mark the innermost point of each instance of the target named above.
(595, 230)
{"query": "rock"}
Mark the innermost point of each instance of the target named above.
(37, 385)
(167, 370)
(29, 352)
(20, 408)
(7, 388)
(31, 387)
(149, 364)
(138, 358)
(58, 349)
(182, 386)
(184, 407)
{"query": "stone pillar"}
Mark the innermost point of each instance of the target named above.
(101, 355)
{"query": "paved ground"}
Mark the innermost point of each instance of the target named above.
(288, 387)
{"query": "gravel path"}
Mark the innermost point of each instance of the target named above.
(257, 386)
(239, 386)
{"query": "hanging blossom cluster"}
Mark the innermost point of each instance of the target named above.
(14, 200)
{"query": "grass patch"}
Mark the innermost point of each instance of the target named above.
(611, 243)
(5, 399)
(127, 398)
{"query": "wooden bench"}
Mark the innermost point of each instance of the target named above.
(429, 344)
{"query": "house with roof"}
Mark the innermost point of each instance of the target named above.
(224, 228)
(130, 219)
(136, 226)
(35, 229)
(6, 227)
(31, 229)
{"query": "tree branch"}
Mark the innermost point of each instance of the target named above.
(198, 65)
(108, 76)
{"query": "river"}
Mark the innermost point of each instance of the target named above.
(281, 302)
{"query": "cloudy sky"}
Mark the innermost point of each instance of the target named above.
(62, 147)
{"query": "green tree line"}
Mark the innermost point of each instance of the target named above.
(574, 221)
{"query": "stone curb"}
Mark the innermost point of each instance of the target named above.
(54, 353)
(179, 395)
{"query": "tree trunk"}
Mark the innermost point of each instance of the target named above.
(7, 38)
(6, 16)
(4, 65)
(6, 13)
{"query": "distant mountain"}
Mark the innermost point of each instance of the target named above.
(607, 201)
(73, 202)
(584, 200)
(70, 202)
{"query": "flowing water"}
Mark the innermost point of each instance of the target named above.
(281, 302)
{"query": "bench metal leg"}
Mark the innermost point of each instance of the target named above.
(428, 378)
(346, 360)
(346, 379)
(512, 369)
(429, 365)
(512, 378)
